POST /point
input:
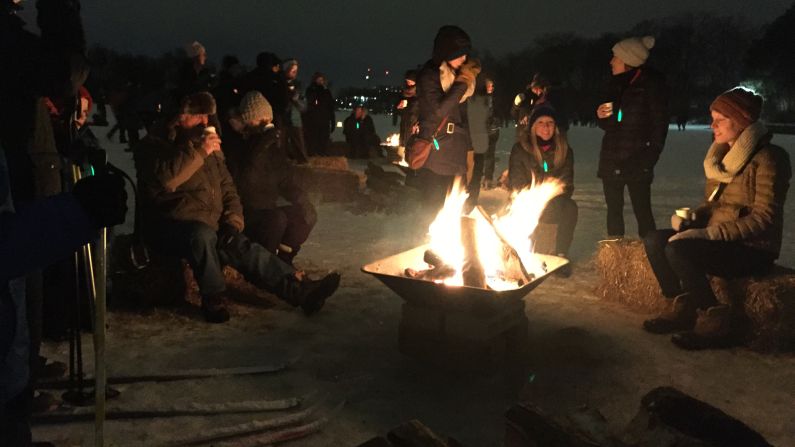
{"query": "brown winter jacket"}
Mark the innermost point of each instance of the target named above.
(178, 181)
(751, 207)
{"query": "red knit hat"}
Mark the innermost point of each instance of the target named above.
(739, 105)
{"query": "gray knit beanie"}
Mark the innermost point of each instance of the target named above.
(255, 108)
(634, 51)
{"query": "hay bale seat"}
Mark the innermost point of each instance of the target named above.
(626, 277)
(329, 177)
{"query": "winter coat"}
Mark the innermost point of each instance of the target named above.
(178, 181)
(360, 132)
(272, 86)
(409, 115)
(264, 173)
(750, 209)
(435, 104)
(632, 146)
(523, 167)
(319, 108)
(38, 235)
(479, 114)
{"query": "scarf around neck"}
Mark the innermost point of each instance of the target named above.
(723, 163)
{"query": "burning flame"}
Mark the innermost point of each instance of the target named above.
(393, 140)
(512, 228)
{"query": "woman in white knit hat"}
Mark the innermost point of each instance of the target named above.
(635, 119)
(263, 174)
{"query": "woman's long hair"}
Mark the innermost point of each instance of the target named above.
(559, 143)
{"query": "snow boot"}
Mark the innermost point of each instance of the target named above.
(714, 329)
(214, 309)
(309, 294)
(680, 316)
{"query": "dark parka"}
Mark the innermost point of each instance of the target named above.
(435, 104)
(178, 181)
(523, 167)
(409, 114)
(319, 119)
(632, 146)
(264, 173)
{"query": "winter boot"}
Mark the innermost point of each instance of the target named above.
(715, 329)
(307, 293)
(214, 309)
(680, 316)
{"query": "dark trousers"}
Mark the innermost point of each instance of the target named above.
(293, 143)
(283, 225)
(318, 137)
(563, 212)
(489, 156)
(682, 266)
(474, 185)
(639, 195)
(434, 188)
(198, 243)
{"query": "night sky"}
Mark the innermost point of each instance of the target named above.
(344, 38)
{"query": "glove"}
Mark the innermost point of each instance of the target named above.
(103, 198)
(226, 235)
(695, 233)
(678, 224)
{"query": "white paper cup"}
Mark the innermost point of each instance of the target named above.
(209, 129)
(685, 213)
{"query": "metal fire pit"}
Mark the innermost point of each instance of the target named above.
(429, 294)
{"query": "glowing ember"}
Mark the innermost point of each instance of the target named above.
(393, 140)
(502, 243)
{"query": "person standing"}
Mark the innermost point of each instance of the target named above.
(359, 131)
(295, 106)
(319, 120)
(736, 232)
(493, 128)
(443, 85)
(478, 109)
(635, 120)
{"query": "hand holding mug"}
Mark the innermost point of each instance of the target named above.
(211, 142)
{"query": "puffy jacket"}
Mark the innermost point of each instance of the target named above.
(435, 104)
(178, 181)
(632, 146)
(264, 172)
(751, 207)
(523, 167)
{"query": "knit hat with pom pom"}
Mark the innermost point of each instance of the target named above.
(634, 51)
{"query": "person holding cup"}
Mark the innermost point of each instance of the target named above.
(736, 232)
(635, 120)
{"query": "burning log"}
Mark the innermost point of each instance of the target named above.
(439, 270)
(472, 269)
(514, 268)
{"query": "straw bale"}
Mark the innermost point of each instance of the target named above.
(333, 185)
(767, 302)
(626, 276)
(335, 163)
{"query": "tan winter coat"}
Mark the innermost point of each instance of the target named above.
(750, 208)
(178, 181)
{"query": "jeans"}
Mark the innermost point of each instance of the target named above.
(639, 195)
(562, 211)
(283, 225)
(198, 243)
(682, 266)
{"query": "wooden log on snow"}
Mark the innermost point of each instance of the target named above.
(472, 270)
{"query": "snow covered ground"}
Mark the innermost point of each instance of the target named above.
(582, 350)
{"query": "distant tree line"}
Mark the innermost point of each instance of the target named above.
(701, 55)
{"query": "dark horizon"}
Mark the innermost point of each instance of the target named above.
(345, 40)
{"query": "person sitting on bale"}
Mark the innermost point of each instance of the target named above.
(190, 208)
(263, 175)
(359, 132)
(736, 232)
(542, 153)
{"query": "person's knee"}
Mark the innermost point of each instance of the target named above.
(680, 250)
(202, 235)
